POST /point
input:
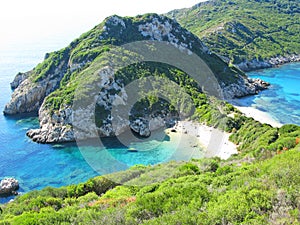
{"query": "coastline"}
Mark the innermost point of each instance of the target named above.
(252, 112)
(258, 115)
(214, 142)
(254, 65)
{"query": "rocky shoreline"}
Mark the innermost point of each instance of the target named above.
(255, 64)
(54, 132)
(58, 127)
(244, 87)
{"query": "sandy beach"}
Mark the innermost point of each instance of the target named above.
(258, 115)
(255, 113)
(213, 141)
(216, 142)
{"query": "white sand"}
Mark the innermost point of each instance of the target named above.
(214, 141)
(258, 115)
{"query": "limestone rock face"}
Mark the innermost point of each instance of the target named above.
(57, 126)
(253, 65)
(19, 78)
(162, 30)
(29, 95)
(244, 87)
(9, 186)
(141, 127)
(53, 128)
(26, 98)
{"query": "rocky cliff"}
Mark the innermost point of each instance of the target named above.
(31, 88)
(50, 87)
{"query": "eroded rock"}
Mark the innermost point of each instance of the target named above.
(244, 87)
(9, 186)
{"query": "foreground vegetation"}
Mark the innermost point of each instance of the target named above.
(259, 186)
(245, 29)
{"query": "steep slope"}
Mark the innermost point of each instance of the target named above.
(50, 87)
(253, 34)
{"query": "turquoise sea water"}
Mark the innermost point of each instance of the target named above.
(34, 165)
(282, 100)
(37, 165)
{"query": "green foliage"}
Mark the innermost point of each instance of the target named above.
(261, 140)
(169, 98)
(240, 206)
(289, 128)
(242, 29)
(207, 191)
(172, 195)
(50, 64)
(189, 169)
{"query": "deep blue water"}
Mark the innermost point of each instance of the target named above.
(37, 165)
(282, 99)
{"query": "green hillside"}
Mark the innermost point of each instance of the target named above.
(245, 29)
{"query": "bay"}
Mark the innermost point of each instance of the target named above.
(282, 100)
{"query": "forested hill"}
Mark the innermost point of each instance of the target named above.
(245, 29)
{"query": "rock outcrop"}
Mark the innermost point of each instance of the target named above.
(141, 127)
(29, 94)
(9, 186)
(19, 78)
(244, 87)
(53, 128)
(26, 98)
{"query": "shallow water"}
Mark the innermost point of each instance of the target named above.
(282, 100)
